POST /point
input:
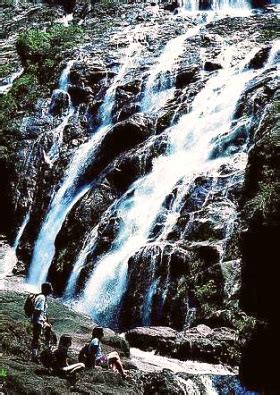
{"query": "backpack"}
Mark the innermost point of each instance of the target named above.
(47, 358)
(29, 305)
(84, 353)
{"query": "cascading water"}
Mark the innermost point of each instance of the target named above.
(8, 82)
(191, 141)
(229, 7)
(69, 193)
(89, 243)
(159, 87)
(57, 133)
(9, 259)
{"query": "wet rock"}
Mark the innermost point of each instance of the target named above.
(80, 95)
(126, 135)
(171, 6)
(211, 66)
(59, 103)
(147, 338)
(88, 73)
(20, 268)
(125, 100)
(186, 76)
(258, 61)
(200, 343)
(160, 267)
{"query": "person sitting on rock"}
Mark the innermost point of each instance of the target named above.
(91, 354)
(60, 358)
(40, 321)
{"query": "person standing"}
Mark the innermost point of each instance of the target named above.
(40, 321)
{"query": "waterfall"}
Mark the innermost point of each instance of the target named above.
(64, 78)
(21, 230)
(69, 193)
(159, 85)
(9, 258)
(78, 265)
(230, 7)
(149, 361)
(8, 82)
(57, 134)
(190, 142)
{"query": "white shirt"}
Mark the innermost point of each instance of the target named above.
(96, 343)
(41, 305)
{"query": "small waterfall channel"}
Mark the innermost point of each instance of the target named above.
(69, 192)
(191, 142)
(9, 259)
(7, 83)
(57, 134)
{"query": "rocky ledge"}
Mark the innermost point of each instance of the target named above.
(200, 343)
(24, 377)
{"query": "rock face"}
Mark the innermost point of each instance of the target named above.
(200, 343)
(23, 376)
(259, 295)
(77, 161)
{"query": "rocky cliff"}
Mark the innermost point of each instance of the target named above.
(139, 162)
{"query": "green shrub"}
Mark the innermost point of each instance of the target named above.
(40, 52)
(23, 95)
(5, 70)
(265, 198)
(43, 50)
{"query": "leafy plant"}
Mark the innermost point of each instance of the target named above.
(43, 50)
(5, 70)
(264, 199)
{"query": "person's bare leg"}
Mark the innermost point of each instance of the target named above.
(119, 367)
(113, 366)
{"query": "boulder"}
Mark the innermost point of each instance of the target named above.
(186, 75)
(147, 338)
(201, 343)
(258, 61)
(59, 102)
(126, 135)
(211, 66)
